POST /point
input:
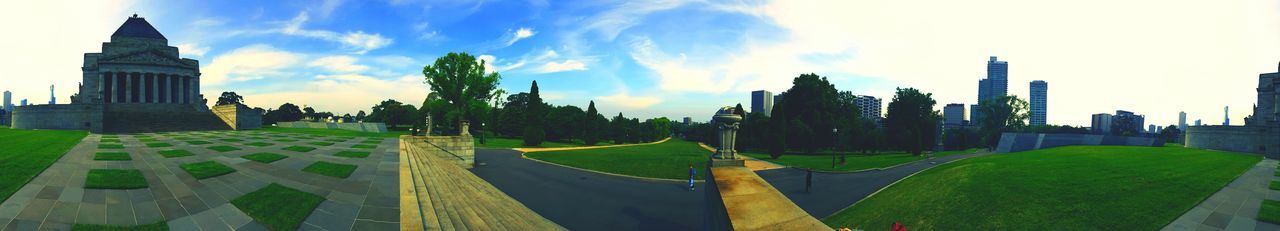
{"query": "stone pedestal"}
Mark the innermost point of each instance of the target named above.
(727, 163)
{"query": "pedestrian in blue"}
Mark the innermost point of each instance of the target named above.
(692, 172)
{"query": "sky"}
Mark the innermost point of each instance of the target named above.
(678, 58)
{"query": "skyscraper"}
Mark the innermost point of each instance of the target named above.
(868, 105)
(1197, 122)
(1182, 121)
(973, 114)
(762, 102)
(953, 114)
(1039, 92)
(8, 101)
(1101, 124)
(1226, 117)
(24, 102)
(996, 85)
(52, 100)
(688, 120)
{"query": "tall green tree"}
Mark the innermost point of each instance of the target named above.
(533, 129)
(999, 115)
(811, 100)
(565, 123)
(590, 135)
(911, 120)
(463, 86)
(1171, 134)
(618, 129)
(777, 139)
(229, 97)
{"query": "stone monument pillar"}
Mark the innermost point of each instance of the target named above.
(426, 130)
(465, 128)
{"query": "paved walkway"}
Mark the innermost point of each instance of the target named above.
(751, 163)
(1235, 207)
(439, 194)
(528, 150)
(56, 199)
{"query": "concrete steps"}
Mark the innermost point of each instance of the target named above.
(451, 198)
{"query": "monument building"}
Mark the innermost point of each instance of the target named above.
(1260, 133)
(137, 83)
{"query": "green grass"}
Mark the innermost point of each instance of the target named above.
(223, 148)
(144, 140)
(259, 144)
(278, 207)
(669, 160)
(330, 169)
(1270, 211)
(159, 145)
(26, 153)
(158, 226)
(493, 142)
(264, 157)
(853, 162)
(336, 140)
(198, 142)
(320, 143)
(364, 146)
(111, 156)
(206, 169)
(114, 179)
(184, 138)
(1275, 185)
(110, 146)
(352, 154)
(231, 140)
(176, 153)
(1081, 187)
(299, 148)
(313, 132)
(286, 140)
(372, 141)
(106, 140)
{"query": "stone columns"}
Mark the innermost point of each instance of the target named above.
(155, 90)
(103, 90)
(182, 91)
(128, 87)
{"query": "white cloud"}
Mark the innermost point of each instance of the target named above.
(519, 34)
(346, 93)
(567, 65)
(628, 101)
(248, 63)
(358, 41)
(395, 61)
(488, 62)
(338, 64)
(674, 74)
(192, 49)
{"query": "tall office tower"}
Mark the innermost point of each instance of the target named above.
(762, 102)
(1226, 118)
(1100, 124)
(8, 101)
(984, 90)
(24, 102)
(52, 100)
(953, 114)
(1151, 128)
(997, 78)
(973, 114)
(777, 99)
(868, 105)
(1197, 122)
(1039, 92)
(688, 120)
(1182, 121)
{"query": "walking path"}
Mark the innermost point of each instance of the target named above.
(528, 150)
(1235, 207)
(751, 163)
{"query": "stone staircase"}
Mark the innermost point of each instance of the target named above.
(439, 194)
(128, 121)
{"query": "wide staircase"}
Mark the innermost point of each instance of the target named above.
(437, 193)
(142, 119)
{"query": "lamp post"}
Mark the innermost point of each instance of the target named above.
(835, 142)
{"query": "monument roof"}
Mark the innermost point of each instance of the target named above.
(137, 27)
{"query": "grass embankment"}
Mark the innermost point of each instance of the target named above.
(853, 162)
(26, 153)
(1080, 187)
(332, 132)
(491, 142)
(668, 160)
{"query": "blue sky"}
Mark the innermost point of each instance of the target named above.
(679, 58)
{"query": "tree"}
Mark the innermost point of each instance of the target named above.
(533, 130)
(778, 132)
(360, 116)
(589, 126)
(566, 123)
(811, 100)
(1007, 113)
(1171, 134)
(287, 112)
(511, 122)
(911, 120)
(392, 113)
(309, 114)
(229, 97)
(618, 129)
(463, 86)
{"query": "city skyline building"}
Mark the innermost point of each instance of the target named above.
(23, 103)
(1134, 121)
(8, 101)
(1100, 123)
(1226, 116)
(1182, 121)
(52, 100)
(1197, 122)
(1039, 92)
(995, 85)
(688, 120)
(953, 114)
(868, 105)
(762, 102)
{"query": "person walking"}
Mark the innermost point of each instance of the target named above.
(808, 179)
(692, 172)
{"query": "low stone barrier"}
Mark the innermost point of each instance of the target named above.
(238, 116)
(1249, 139)
(360, 127)
(1017, 142)
(59, 116)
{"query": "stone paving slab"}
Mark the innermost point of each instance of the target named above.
(1234, 207)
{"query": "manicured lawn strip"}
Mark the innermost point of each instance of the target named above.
(26, 153)
(184, 138)
(286, 140)
(1275, 185)
(198, 142)
(259, 144)
(110, 146)
(853, 162)
(114, 179)
(320, 143)
(299, 148)
(231, 140)
(144, 140)
(176, 153)
(159, 145)
(105, 140)
(223, 148)
(158, 226)
(206, 169)
(372, 141)
(264, 157)
(493, 142)
(111, 156)
(330, 169)
(278, 207)
(352, 154)
(1100, 187)
(669, 160)
(336, 140)
(332, 132)
(1270, 211)
(364, 146)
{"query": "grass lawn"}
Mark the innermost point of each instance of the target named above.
(264, 157)
(330, 169)
(111, 156)
(299, 148)
(110, 146)
(159, 145)
(351, 154)
(223, 148)
(158, 226)
(259, 144)
(1081, 187)
(176, 153)
(109, 140)
(493, 142)
(1270, 211)
(114, 179)
(198, 142)
(853, 162)
(1275, 185)
(183, 138)
(365, 146)
(286, 140)
(231, 140)
(26, 153)
(320, 143)
(669, 160)
(278, 207)
(206, 169)
(331, 132)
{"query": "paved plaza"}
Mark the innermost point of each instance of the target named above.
(1236, 206)
(57, 198)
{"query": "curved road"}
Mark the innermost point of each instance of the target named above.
(580, 200)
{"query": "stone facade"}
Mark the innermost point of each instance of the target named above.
(62, 117)
(360, 127)
(1261, 132)
(238, 116)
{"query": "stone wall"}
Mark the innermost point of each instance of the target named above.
(460, 149)
(1250, 139)
(59, 116)
(360, 127)
(159, 117)
(1017, 142)
(238, 116)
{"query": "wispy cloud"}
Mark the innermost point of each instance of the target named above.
(567, 65)
(519, 34)
(338, 64)
(248, 63)
(192, 49)
(359, 41)
(628, 101)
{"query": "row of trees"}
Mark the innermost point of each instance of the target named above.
(525, 115)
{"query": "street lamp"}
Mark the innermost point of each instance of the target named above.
(835, 142)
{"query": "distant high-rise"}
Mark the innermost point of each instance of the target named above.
(762, 102)
(1128, 121)
(688, 120)
(868, 105)
(52, 100)
(777, 99)
(953, 114)
(1182, 121)
(1197, 122)
(24, 102)
(1039, 92)
(8, 101)
(1151, 128)
(996, 84)
(1101, 123)
(1226, 118)
(973, 114)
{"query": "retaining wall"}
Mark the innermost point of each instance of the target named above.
(361, 127)
(1263, 140)
(238, 116)
(59, 116)
(1017, 142)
